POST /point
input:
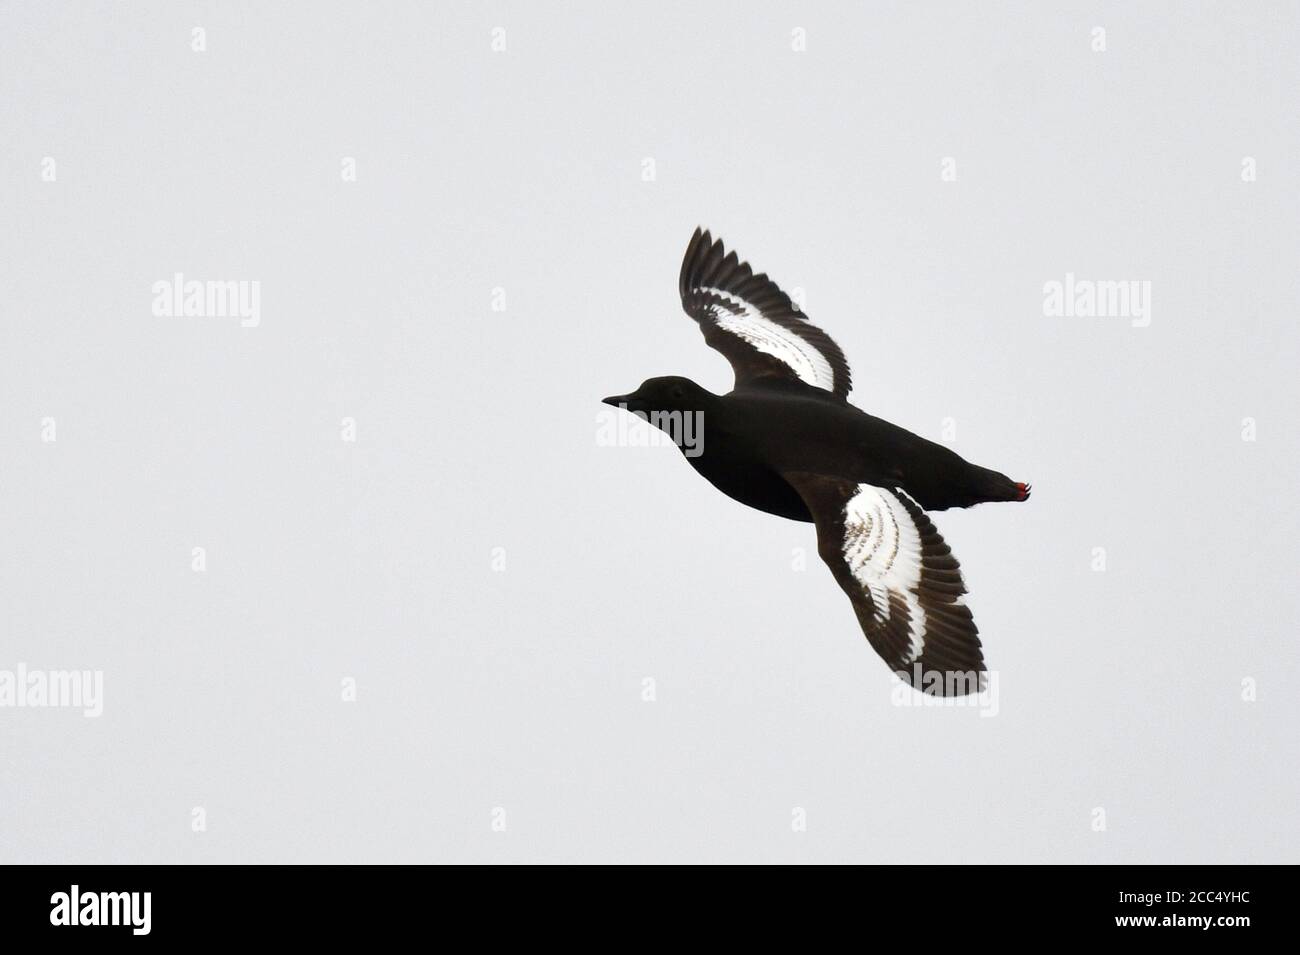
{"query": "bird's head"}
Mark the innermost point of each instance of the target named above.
(671, 393)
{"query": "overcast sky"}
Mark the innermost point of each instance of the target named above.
(362, 582)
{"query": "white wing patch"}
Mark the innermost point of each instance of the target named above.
(747, 323)
(882, 549)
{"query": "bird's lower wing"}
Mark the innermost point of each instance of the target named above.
(903, 581)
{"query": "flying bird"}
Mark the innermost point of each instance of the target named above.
(786, 441)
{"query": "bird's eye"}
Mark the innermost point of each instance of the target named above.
(678, 393)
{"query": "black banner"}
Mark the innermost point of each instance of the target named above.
(137, 904)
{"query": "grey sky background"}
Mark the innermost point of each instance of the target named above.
(521, 688)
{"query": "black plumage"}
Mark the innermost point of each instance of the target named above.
(786, 441)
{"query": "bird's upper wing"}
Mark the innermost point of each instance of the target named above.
(903, 581)
(754, 324)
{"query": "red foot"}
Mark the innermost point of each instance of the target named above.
(1022, 491)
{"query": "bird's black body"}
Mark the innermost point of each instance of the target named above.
(752, 434)
(786, 441)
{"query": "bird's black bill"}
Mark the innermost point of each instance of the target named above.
(616, 400)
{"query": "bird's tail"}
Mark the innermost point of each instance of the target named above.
(974, 485)
(991, 486)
